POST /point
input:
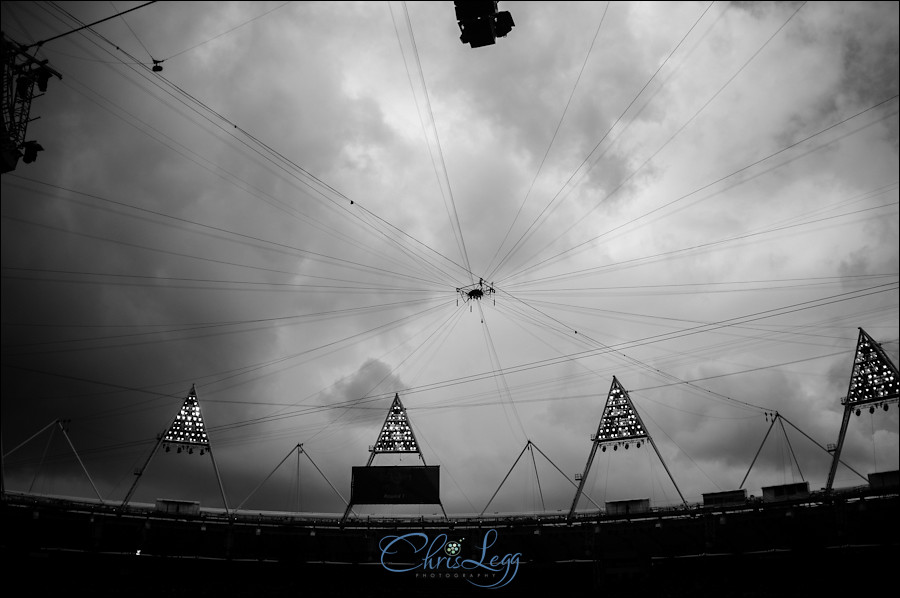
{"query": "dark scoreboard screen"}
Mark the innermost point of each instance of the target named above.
(396, 485)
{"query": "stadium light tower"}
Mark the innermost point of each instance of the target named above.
(873, 383)
(22, 73)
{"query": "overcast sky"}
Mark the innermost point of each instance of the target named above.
(699, 199)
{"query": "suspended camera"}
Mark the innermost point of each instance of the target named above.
(475, 291)
(481, 24)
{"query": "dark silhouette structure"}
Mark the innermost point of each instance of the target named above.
(480, 23)
(22, 74)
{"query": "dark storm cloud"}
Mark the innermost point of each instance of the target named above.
(356, 391)
(861, 53)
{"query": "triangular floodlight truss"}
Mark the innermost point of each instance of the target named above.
(874, 376)
(186, 432)
(188, 429)
(873, 382)
(620, 425)
(396, 437)
(396, 434)
(620, 422)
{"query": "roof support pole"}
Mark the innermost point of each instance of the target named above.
(848, 409)
(666, 467)
(140, 472)
(583, 480)
(80, 462)
(218, 478)
(527, 444)
(758, 451)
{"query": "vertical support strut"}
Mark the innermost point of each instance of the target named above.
(561, 472)
(530, 446)
(80, 462)
(300, 448)
(527, 444)
(666, 467)
(347, 511)
(32, 437)
(350, 504)
(218, 479)
(41, 464)
(271, 473)
(813, 440)
(783, 419)
(759, 450)
(59, 424)
(299, 501)
(587, 469)
(848, 409)
(440, 504)
(140, 472)
(538, 478)
(791, 448)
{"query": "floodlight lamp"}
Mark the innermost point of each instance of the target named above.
(42, 75)
(31, 150)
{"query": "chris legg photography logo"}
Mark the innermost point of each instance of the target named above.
(442, 558)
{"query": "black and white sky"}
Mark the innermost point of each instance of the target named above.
(699, 199)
